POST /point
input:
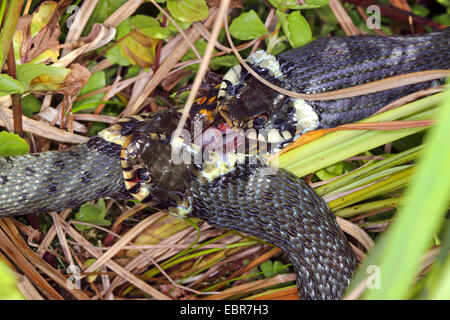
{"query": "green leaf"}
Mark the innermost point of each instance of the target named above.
(30, 105)
(36, 39)
(317, 2)
(181, 24)
(96, 81)
(93, 214)
(295, 27)
(41, 17)
(8, 85)
(115, 56)
(279, 268)
(188, 10)
(200, 45)
(400, 250)
(267, 269)
(132, 72)
(333, 171)
(294, 4)
(102, 11)
(227, 61)
(40, 77)
(271, 269)
(247, 26)
(8, 288)
(12, 145)
(133, 48)
(420, 10)
(443, 19)
(149, 26)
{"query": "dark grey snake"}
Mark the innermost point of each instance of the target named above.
(134, 157)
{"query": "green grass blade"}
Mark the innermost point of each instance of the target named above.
(398, 252)
(337, 146)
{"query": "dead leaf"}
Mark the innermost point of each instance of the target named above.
(36, 36)
(75, 80)
(139, 49)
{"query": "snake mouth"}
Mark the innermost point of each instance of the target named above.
(222, 139)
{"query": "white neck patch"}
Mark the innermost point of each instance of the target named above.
(259, 59)
(305, 117)
(267, 61)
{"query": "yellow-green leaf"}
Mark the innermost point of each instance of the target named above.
(8, 288)
(92, 214)
(41, 17)
(149, 26)
(188, 10)
(8, 85)
(295, 27)
(247, 26)
(12, 145)
(40, 77)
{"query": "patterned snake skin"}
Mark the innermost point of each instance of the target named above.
(324, 65)
(277, 207)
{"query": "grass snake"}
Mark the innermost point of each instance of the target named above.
(133, 158)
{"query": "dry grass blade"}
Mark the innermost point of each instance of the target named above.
(254, 285)
(124, 240)
(94, 117)
(27, 260)
(177, 53)
(10, 249)
(203, 66)
(344, 19)
(44, 130)
(288, 293)
(79, 22)
(356, 232)
(188, 40)
(141, 261)
(37, 261)
(61, 237)
(28, 290)
(5, 121)
(113, 265)
(103, 35)
(50, 235)
(126, 10)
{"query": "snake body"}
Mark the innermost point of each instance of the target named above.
(134, 156)
(324, 65)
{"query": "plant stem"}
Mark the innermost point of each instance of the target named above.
(7, 32)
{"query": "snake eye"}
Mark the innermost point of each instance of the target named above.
(260, 121)
(143, 175)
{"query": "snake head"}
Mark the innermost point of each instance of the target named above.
(249, 104)
(246, 103)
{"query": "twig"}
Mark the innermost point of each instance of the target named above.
(204, 65)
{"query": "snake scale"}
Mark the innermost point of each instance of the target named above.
(134, 157)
